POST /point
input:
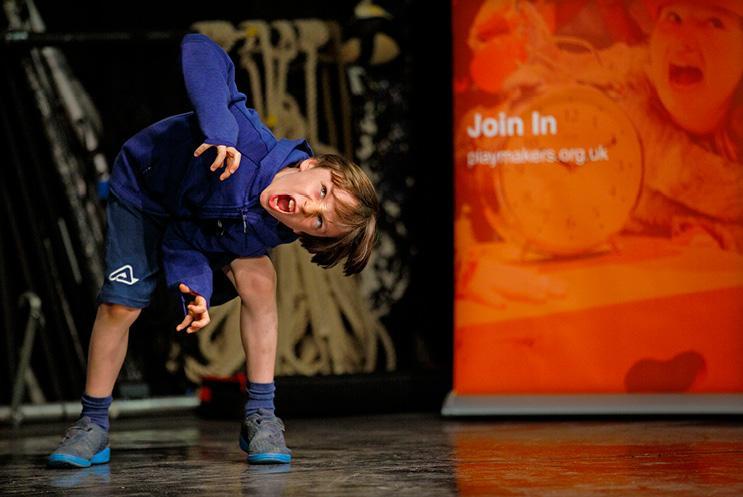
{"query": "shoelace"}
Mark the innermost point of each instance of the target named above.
(270, 421)
(73, 430)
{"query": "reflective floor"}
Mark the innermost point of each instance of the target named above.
(390, 456)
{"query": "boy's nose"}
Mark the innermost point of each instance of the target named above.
(311, 207)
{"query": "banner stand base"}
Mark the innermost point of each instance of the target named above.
(590, 404)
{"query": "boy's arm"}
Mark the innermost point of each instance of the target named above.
(699, 179)
(187, 269)
(209, 75)
(685, 172)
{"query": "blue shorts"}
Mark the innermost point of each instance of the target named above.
(133, 254)
(134, 258)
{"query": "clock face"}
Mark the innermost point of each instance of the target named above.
(573, 200)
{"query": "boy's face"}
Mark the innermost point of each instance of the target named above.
(305, 199)
(696, 54)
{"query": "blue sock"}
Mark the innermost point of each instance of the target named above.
(260, 396)
(96, 408)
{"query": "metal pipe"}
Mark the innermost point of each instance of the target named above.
(35, 320)
(592, 404)
(20, 38)
(120, 408)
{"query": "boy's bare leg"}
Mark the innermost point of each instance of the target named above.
(86, 442)
(255, 281)
(108, 345)
(261, 433)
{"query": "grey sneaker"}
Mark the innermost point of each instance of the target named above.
(262, 437)
(84, 443)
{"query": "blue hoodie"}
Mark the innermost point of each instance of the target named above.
(210, 222)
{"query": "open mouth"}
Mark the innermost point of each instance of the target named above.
(283, 203)
(685, 76)
(495, 25)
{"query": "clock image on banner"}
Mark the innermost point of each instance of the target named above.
(599, 197)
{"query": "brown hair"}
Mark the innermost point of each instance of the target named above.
(359, 219)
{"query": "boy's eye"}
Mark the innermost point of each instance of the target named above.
(673, 17)
(323, 191)
(715, 22)
(318, 222)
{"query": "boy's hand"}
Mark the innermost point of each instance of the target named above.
(223, 152)
(198, 315)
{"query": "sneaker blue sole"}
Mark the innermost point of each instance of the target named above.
(70, 461)
(265, 457)
(269, 458)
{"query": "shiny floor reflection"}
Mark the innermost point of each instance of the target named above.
(399, 455)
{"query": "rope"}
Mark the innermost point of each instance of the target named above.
(219, 344)
(258, 35)
(312, 35)
(246, 59)
(328, 109)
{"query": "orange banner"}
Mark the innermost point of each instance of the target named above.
(599, 196)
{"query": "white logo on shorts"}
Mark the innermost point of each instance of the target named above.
(125, 274)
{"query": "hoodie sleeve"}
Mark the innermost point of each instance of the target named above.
(183, 263)
(209, 76)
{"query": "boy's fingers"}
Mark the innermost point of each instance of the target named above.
(219, 160)
(225, 175)
(197, 308)
(202, 148)
(233, 163)
(184, 289)
(186, 321)
(197, 325)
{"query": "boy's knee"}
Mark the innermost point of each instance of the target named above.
(256, 286)
(119, 312)
(255, 279)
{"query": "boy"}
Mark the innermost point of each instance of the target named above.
(168, 207)
(683, 93)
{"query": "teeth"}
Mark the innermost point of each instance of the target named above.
(291, 205)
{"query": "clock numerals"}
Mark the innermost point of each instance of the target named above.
(571, 115)
(574, 202)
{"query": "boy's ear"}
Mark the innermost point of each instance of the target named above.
(307, 164)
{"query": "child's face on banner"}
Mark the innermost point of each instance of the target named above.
(696, 57)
